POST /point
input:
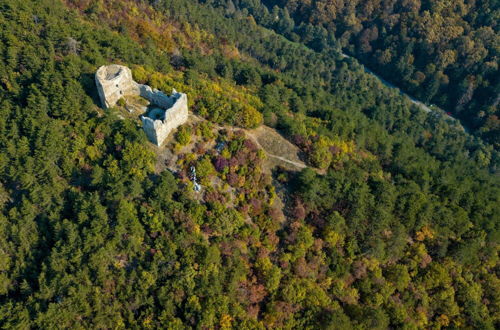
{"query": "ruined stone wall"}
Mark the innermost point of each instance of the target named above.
(156, 97)
(115, 81)
(157, 130)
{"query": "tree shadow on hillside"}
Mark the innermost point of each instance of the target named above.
(88, 83)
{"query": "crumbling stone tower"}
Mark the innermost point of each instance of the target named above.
(166, 112)
(114, 82)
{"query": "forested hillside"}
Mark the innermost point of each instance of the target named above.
(440, 51)
(400, 229)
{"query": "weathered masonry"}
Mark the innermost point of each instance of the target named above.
(165, 112)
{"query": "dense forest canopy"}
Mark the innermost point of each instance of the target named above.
(441, 51)
(394, 223)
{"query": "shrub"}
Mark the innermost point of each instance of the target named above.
(183, 136)
(121, 102)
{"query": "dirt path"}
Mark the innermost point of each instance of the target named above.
(301, 165)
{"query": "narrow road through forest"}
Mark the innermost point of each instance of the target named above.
(420, 104)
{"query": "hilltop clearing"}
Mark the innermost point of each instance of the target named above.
(278, 150)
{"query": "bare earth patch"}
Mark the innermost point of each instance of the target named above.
(278, 149)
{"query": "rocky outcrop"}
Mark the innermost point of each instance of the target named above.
(165, 112)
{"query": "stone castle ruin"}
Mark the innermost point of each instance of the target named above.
(165, 112)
